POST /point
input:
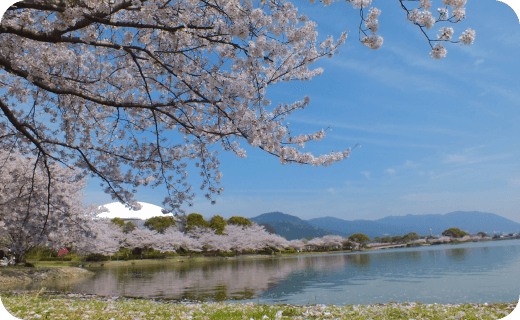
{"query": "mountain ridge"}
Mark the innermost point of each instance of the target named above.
(293, 227)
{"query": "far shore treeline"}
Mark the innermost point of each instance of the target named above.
(164, 237)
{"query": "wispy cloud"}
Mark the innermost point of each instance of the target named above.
(366, 174)
(387, 75)
(454, 158)
(410, 164)
(475, 148)
(516, 181)
(390, 171)
(470, 156)
(383, 142)
(387, 129)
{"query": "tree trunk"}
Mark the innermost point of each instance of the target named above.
(19, 257)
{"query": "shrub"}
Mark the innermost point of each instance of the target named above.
(55, 259)
(28, 265)
(96, 257)
(226, 254)
(155, 255)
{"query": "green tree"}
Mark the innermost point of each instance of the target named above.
(410, 237)
(118, 221)
(482, 234)
(454, 232)
(126, 227)
(386, 239)
(129, 227)
(239, 221)
(195, 220)
(160, 224)
(359, 238)
(218, 224)
(396, 239)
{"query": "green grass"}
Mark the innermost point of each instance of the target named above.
(40, 305)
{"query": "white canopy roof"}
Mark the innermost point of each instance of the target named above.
(118, 210)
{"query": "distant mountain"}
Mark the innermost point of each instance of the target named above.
(469, 221)
(472, 222)
(346, 228)
(289, 226)
(268, 228)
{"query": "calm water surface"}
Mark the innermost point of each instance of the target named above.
(470, 272)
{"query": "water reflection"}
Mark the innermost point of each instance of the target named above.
(474, 272)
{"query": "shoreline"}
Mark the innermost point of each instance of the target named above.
(13, 276)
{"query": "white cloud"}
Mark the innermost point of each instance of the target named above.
(390, 171)
(479, 61)
(516, 181)
(331, 190)
(410, 164)
(366, 174)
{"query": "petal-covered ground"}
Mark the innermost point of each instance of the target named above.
(47, 305)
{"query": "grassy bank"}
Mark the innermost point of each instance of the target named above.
(10, 276)
(41, 305)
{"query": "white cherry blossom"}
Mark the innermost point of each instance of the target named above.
(131, 92)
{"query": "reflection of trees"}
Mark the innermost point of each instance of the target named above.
(413, 255)
(359, 260)
(229, 279)
(457, 254)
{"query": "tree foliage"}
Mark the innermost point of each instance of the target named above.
(36, 211)
(195, 220)
(160, 224)
(410, 237)
(359, 237)
(218, 224)
(240, 221)
(128, 226)
(454, 232)
(118, 221)
(130, 91)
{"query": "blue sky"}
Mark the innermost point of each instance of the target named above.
(436, 135)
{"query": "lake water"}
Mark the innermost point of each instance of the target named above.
(461, 273)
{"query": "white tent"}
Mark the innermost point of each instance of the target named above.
(118, 210)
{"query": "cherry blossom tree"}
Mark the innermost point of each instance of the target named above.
(102, 85)
(171, 240)
(296, 244)
(333, 240)
(107, 238)
(141, 238)
(210, 239)
(31, 215)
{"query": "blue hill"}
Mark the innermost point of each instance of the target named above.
(472, 222)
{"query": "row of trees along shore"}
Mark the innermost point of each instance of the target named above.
(162, 238)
